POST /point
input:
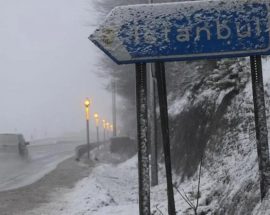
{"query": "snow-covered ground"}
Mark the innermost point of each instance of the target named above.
(109, 189)
(113, 190)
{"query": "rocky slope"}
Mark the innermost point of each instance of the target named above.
(214, 119)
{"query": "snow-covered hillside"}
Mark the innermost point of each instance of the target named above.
(216, 121)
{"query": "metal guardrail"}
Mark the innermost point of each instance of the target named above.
(82, 149)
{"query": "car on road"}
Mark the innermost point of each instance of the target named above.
(13, 143)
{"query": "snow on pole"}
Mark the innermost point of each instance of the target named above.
(152, 123)
(143, 158)
(154, 153)
(260, 124)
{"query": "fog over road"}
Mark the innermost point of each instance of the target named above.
(43, 156)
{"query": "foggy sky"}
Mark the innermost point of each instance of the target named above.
(48, 66)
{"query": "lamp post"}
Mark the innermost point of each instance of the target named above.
(108, 127)
(111, 127)
(104, 129)
(87, 103)
(97, 125)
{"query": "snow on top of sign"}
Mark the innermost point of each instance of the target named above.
(154, 13)
(121, 14)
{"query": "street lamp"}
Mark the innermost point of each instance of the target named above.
(87, 104)
(97, 125)
(104, 129)
(111, 127)
(108, 127)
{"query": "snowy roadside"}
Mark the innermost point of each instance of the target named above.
(113, 190)
(109, 189)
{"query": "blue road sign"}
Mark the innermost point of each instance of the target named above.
(185, 31)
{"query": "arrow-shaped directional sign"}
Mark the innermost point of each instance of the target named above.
(185, 30)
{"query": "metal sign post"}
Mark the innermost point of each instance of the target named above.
(162, 94)
(154, 151)
(260, 123)
(153, 124)
(143, 159)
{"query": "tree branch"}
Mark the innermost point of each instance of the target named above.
(185, 198)
(199, 184)
(159, 210)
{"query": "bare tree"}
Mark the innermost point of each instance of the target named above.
(186, 198)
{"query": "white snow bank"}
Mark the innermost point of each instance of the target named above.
(110, 189)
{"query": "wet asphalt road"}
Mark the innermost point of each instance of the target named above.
(43, 156)
(20, 201)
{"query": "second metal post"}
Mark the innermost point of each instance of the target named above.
(162, 94)
(143, 159)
